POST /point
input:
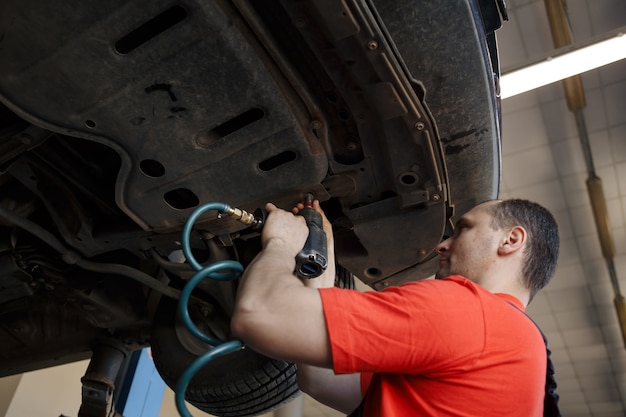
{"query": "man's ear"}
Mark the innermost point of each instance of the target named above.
(513, 241)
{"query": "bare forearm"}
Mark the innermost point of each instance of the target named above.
(341, 392)
(267, 276)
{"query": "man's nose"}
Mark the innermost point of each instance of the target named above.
(443, 246)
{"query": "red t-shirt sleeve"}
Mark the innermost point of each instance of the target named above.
(401, 329)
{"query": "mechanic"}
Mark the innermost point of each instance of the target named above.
(459, 345)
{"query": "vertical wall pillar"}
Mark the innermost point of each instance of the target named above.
(8, 386)
(143, 389)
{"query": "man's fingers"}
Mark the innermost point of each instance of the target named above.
(297, 208)
(316, 206)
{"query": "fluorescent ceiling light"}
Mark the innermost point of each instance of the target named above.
(570, 61)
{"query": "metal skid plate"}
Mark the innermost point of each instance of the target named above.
(193, 110)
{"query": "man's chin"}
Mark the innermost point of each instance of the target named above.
(441, 274)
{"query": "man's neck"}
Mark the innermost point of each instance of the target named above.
(505, 284)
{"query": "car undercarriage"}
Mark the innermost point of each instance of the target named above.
(119, 118)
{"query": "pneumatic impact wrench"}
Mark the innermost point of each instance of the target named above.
(312, 260)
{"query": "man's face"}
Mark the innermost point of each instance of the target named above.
(472, 248)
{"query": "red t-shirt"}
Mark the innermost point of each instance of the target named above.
(438, 348)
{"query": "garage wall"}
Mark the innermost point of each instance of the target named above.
(48, 392)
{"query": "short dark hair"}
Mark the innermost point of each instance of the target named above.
(542, 251)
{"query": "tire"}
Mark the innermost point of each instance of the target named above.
(241, 383)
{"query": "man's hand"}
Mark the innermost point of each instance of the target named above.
(283, 228)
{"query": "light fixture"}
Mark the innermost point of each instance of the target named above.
(569, 61)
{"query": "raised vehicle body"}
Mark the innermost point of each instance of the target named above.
(119, 118)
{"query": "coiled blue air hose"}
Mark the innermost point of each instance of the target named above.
(212, 271)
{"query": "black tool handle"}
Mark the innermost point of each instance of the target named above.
(312, 260)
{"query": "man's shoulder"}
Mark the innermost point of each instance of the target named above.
(454, 288)
(452, 281)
